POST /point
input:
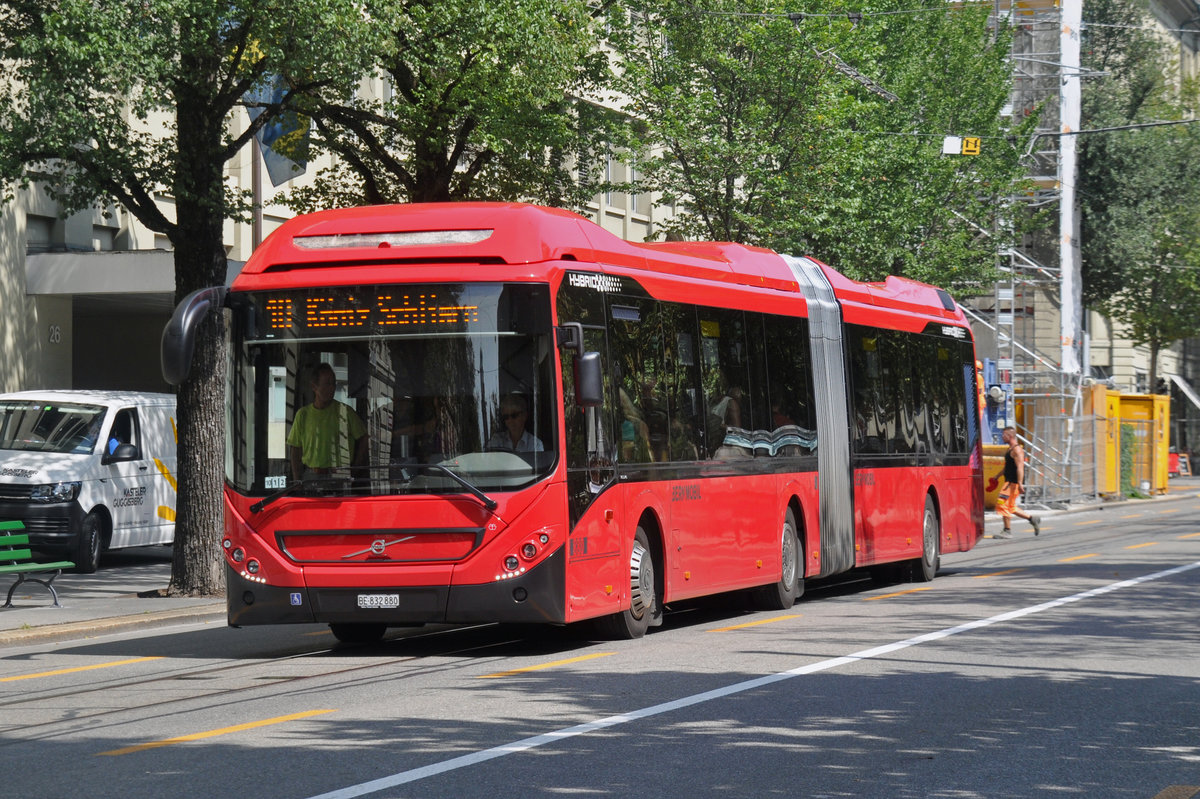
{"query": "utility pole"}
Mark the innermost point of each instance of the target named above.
(1071, 290)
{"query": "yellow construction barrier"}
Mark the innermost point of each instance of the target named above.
(993, 464)
(1149, 415)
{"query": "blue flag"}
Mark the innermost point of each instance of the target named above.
(283, 141)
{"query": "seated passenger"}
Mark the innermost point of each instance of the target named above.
(514, 411)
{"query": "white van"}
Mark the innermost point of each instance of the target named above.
(87, 471)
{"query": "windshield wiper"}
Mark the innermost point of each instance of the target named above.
(487, 501)
(307, 482)
(293, 487)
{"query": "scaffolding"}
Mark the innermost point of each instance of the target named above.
(1026, 307)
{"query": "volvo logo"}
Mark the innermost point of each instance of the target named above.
(378, 547)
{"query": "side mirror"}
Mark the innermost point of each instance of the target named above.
(589, 382)
(123, 452)
(569, 336)
(179, 336)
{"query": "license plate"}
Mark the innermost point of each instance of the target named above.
(379, 600)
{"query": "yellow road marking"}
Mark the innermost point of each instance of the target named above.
(546, 665)
(1080, 557)
(1093, 521)
(1131, 515)
(898, 593)
(997, 574)
(1178, 792)
(1167, 510)
(199, 736)
(1190, 535)
(77, 668)
(1139, 546)
(754, 623)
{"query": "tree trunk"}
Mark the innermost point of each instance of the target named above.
(197, 567)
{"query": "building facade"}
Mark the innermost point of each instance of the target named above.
(85, 296)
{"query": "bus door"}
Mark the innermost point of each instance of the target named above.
(595, 501)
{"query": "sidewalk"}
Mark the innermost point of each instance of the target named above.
(109, 601)
(104, 602)
(1177, 488)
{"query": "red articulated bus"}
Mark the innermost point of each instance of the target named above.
(546, 423)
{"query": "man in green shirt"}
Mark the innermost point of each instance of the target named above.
(328, 434)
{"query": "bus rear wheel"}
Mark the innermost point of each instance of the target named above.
(645, 604)
(926, 567)
(358, 633)
(783, 594)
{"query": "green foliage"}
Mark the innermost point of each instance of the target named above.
(94, 92)
(1131, 442)
(1138, 188)
(822, 134)
(477, 103)
(134, 101)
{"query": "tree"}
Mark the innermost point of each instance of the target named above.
(1138, 187)
(1160, 303)
(820, 132)
(1123, 174)
(479, 103)
(128, 101)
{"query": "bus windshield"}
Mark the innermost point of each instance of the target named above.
(382, 390)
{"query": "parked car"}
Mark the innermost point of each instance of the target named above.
(87, 471)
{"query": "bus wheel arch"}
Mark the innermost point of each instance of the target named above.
(783, 593)
(645, 585)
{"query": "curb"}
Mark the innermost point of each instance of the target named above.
(68, 631)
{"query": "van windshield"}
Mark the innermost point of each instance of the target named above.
(40, 426)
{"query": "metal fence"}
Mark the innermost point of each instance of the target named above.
(1061, 461)
(1138, 457)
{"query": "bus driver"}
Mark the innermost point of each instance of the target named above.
(514, 412)
(327, 434)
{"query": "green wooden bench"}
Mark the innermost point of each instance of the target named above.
(16, 558)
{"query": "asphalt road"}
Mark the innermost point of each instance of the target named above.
(1064, 665)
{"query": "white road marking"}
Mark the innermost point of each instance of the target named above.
(525, 744)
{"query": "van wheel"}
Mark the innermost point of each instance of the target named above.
(91, 541)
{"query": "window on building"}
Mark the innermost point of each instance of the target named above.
(39, 233)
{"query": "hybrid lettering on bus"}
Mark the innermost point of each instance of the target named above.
(561, 425)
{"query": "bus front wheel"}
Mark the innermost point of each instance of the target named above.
(645, 604)
(783, 594)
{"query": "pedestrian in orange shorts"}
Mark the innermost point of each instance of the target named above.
(1014, 484)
